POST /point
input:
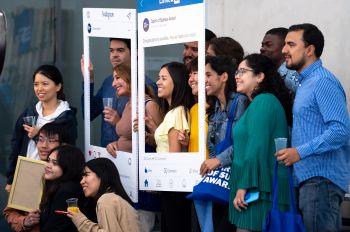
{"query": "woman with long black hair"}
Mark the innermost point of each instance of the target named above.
(101, 184)
(62, 176)
(51, 107)
(266, 118)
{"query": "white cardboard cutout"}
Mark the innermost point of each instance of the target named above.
(178, 22)
(112, 23)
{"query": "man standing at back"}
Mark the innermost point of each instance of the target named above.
(191, 48)
(271, 46)
(320, 150)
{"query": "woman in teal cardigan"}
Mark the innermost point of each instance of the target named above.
(265, 118)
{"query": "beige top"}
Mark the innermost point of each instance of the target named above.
(124, 130)
(114, 214)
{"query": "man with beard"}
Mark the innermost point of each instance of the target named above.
(271, 46)
(191, 48)
(321, 132)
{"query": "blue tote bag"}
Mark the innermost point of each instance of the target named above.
(278, 221)
(214, 186)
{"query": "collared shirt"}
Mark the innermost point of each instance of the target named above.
(321, 127)
(289, 76)
(217, 127)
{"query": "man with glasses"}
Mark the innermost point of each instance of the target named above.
(321, 132)
(50, 136)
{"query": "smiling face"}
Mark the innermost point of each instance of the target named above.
(295, 52)
(90, 183)
(53, 170)
(46, 144)
(118, 52)
(193, 82)
(214, 83)
(190, 52)
(120, 85)
(45, 89)
(165, 85)
(246, 80)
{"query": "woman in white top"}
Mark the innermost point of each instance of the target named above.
(51, 107)
(176, 99)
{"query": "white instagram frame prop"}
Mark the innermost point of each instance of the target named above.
(165, 23)
(112, 23)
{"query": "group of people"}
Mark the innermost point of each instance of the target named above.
(50, 137)
(283, 92)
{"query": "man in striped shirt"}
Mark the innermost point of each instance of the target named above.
(320, 152)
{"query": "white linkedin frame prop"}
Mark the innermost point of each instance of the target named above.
(112, 23)
(165, 23)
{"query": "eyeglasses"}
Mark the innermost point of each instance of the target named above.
(47, 140)
(241, 71)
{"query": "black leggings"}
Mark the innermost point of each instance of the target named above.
(176, 212)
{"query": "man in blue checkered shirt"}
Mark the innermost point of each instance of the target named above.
(320, 152)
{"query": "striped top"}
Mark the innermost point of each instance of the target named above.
(321, 127)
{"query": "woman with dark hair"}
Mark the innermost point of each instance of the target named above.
(226, 46)
(266, 118)
(51, 107)
(191, 139)
(101, 182)
(50, 136)
(62, 176)
(222, 99)
(175, 100)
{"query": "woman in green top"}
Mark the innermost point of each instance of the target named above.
(265, 118)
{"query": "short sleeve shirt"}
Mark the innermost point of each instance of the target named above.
(175, 118)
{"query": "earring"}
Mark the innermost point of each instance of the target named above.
(256, 87)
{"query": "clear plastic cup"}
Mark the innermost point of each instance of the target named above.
(280, 143)
(29, 120)
(72, 205)
(107, 102)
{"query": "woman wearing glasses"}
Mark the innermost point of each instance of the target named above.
(270, 107)
(51, 107)
(220, 88)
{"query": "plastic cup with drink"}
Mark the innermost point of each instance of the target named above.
(280, 144)
(72, 205)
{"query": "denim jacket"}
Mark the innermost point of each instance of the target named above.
(217, 127)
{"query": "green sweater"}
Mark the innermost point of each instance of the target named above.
(254, 149)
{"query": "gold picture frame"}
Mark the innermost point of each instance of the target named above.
(27, 186)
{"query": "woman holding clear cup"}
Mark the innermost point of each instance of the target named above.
(51, 107)
(61, 182)
(269, 110)
(123, 126)
(101, 184)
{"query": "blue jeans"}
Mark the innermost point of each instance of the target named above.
(319, 202)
